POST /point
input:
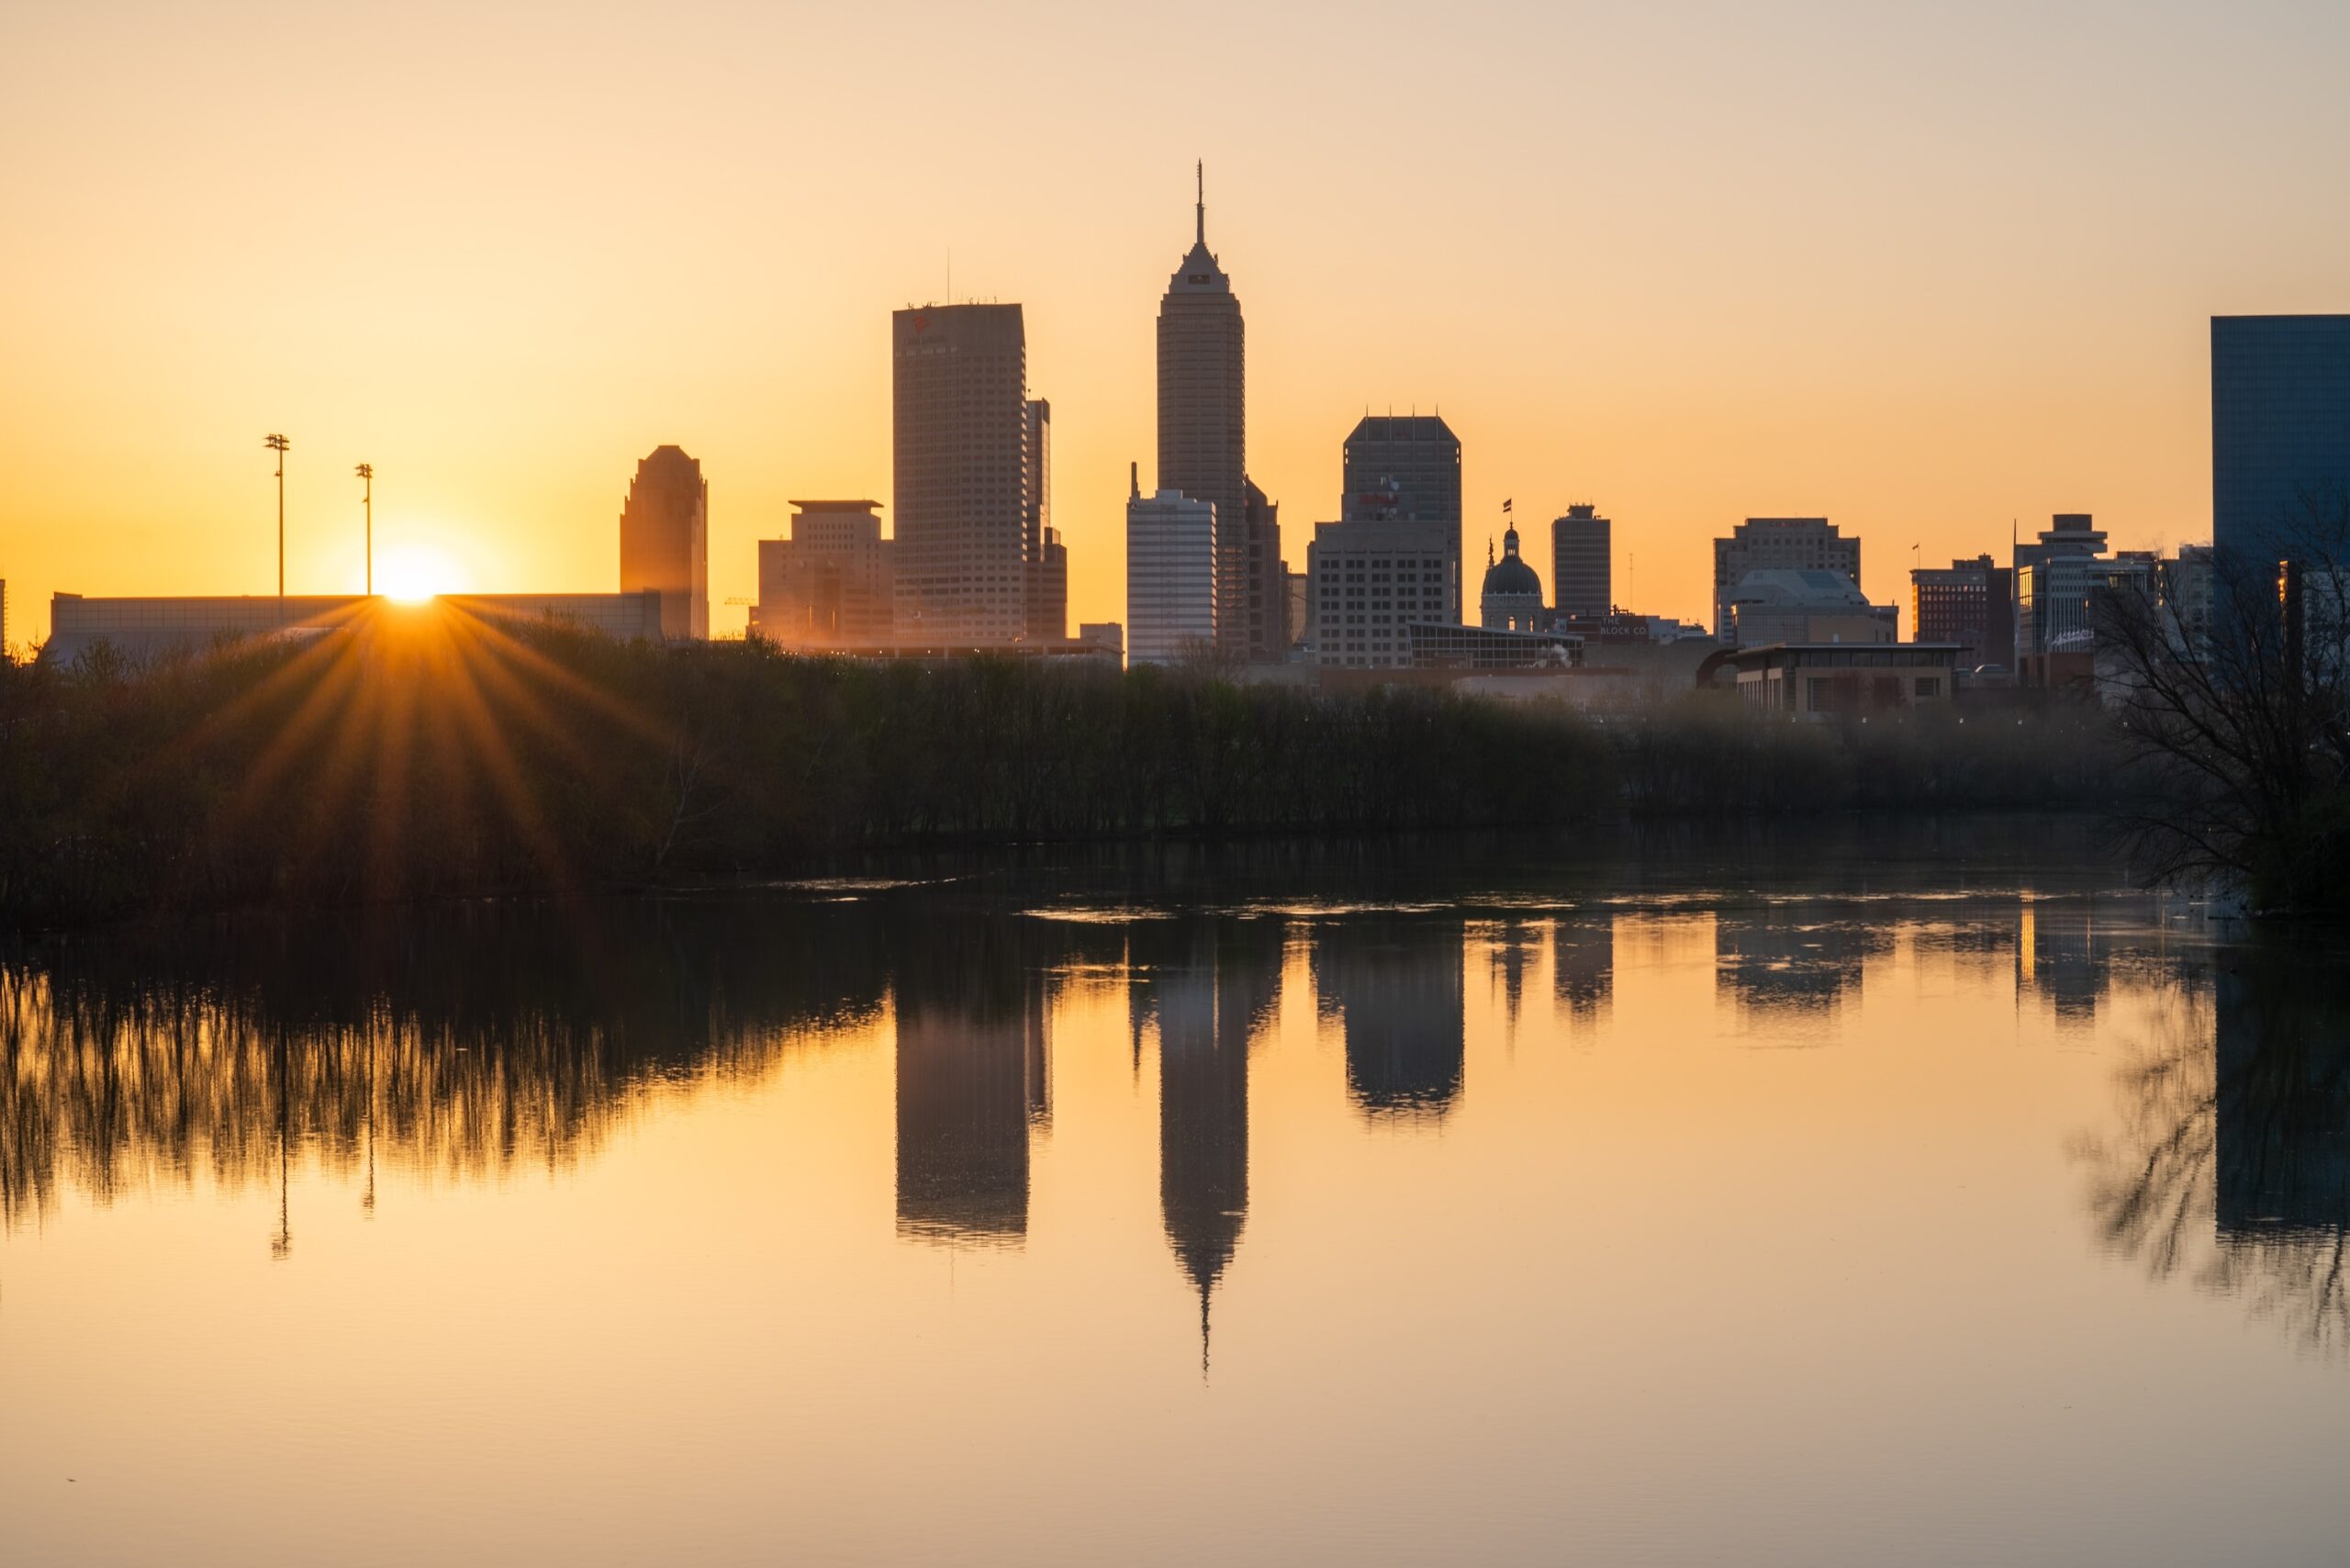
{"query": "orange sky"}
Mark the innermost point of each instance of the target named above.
(1923, 272)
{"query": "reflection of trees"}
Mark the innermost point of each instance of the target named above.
(2232, 1166)
(456, 1043)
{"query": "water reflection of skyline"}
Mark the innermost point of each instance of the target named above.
(488, 1039)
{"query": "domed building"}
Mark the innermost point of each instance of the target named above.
(1512, 600)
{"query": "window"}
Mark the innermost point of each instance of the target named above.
(1930, 686)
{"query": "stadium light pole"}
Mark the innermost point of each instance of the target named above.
(278, 444)
(366, 471)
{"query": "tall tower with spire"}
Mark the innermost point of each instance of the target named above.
(1202, 442)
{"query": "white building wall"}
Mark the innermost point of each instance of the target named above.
(1170, 576)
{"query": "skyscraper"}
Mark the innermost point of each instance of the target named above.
(960, 469)
(665, 541)
(2280, 439)
(1407, 467)
(1202, 442)
(1170, 576)
(1046, 618)
(828, 585)
(1582, 568)
(1775, 543)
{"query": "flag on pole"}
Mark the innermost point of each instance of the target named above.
(1504, 506)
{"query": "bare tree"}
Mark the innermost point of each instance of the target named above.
(2235, 695)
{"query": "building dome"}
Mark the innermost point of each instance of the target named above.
(1511, 575)
(1512, 598)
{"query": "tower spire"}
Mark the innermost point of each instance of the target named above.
(1200, 212)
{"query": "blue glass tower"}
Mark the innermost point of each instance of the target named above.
(2280, 439)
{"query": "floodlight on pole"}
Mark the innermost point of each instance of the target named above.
(278, 444)
(366, 471)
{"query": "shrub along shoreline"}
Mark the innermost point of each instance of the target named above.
(433, 758)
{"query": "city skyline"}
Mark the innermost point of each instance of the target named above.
(1920, 338)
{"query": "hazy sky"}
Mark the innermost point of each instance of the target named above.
(1924, 269)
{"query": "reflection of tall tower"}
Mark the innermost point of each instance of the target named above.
(973, 1075)
(1395, 984)
(1207, 987)
(1513, 944)
(1582, 965)
(2283, 1106)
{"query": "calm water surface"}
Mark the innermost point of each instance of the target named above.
(1801, 1205)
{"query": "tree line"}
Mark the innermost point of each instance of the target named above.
(427, 753)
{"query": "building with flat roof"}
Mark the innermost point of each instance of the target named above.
(1824, 679)
(2071, 536)
(960, 466)
(1370, 580)
(2281, 441)
(1440, 645)
(1809, 605)
(1407, 467)
(141, 629)
(665, 540)
(1775, 543)
(1583, 570)
(1971, 603)
(831, 584)
(1171, 599)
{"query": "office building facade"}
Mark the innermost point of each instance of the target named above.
(1970, 603)
(1582, 572)
(2281, 442)
(1778, 544)
(665, 541)
(831, 584)
(1407, 467)
(1171, 607)
(960, 469)
(1371, 581)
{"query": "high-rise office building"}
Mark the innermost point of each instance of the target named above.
(1047, 617)
(1170, 574)
(1778, 544)
(2281, 441)
(1266, 601)
(1971, 603)
(1407, 467)
(831, 584)
(1203, 443)
(665, 541)
(1371, 581)
(960, 466)
(1582, 563)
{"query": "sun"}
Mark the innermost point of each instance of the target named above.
(415, 573)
